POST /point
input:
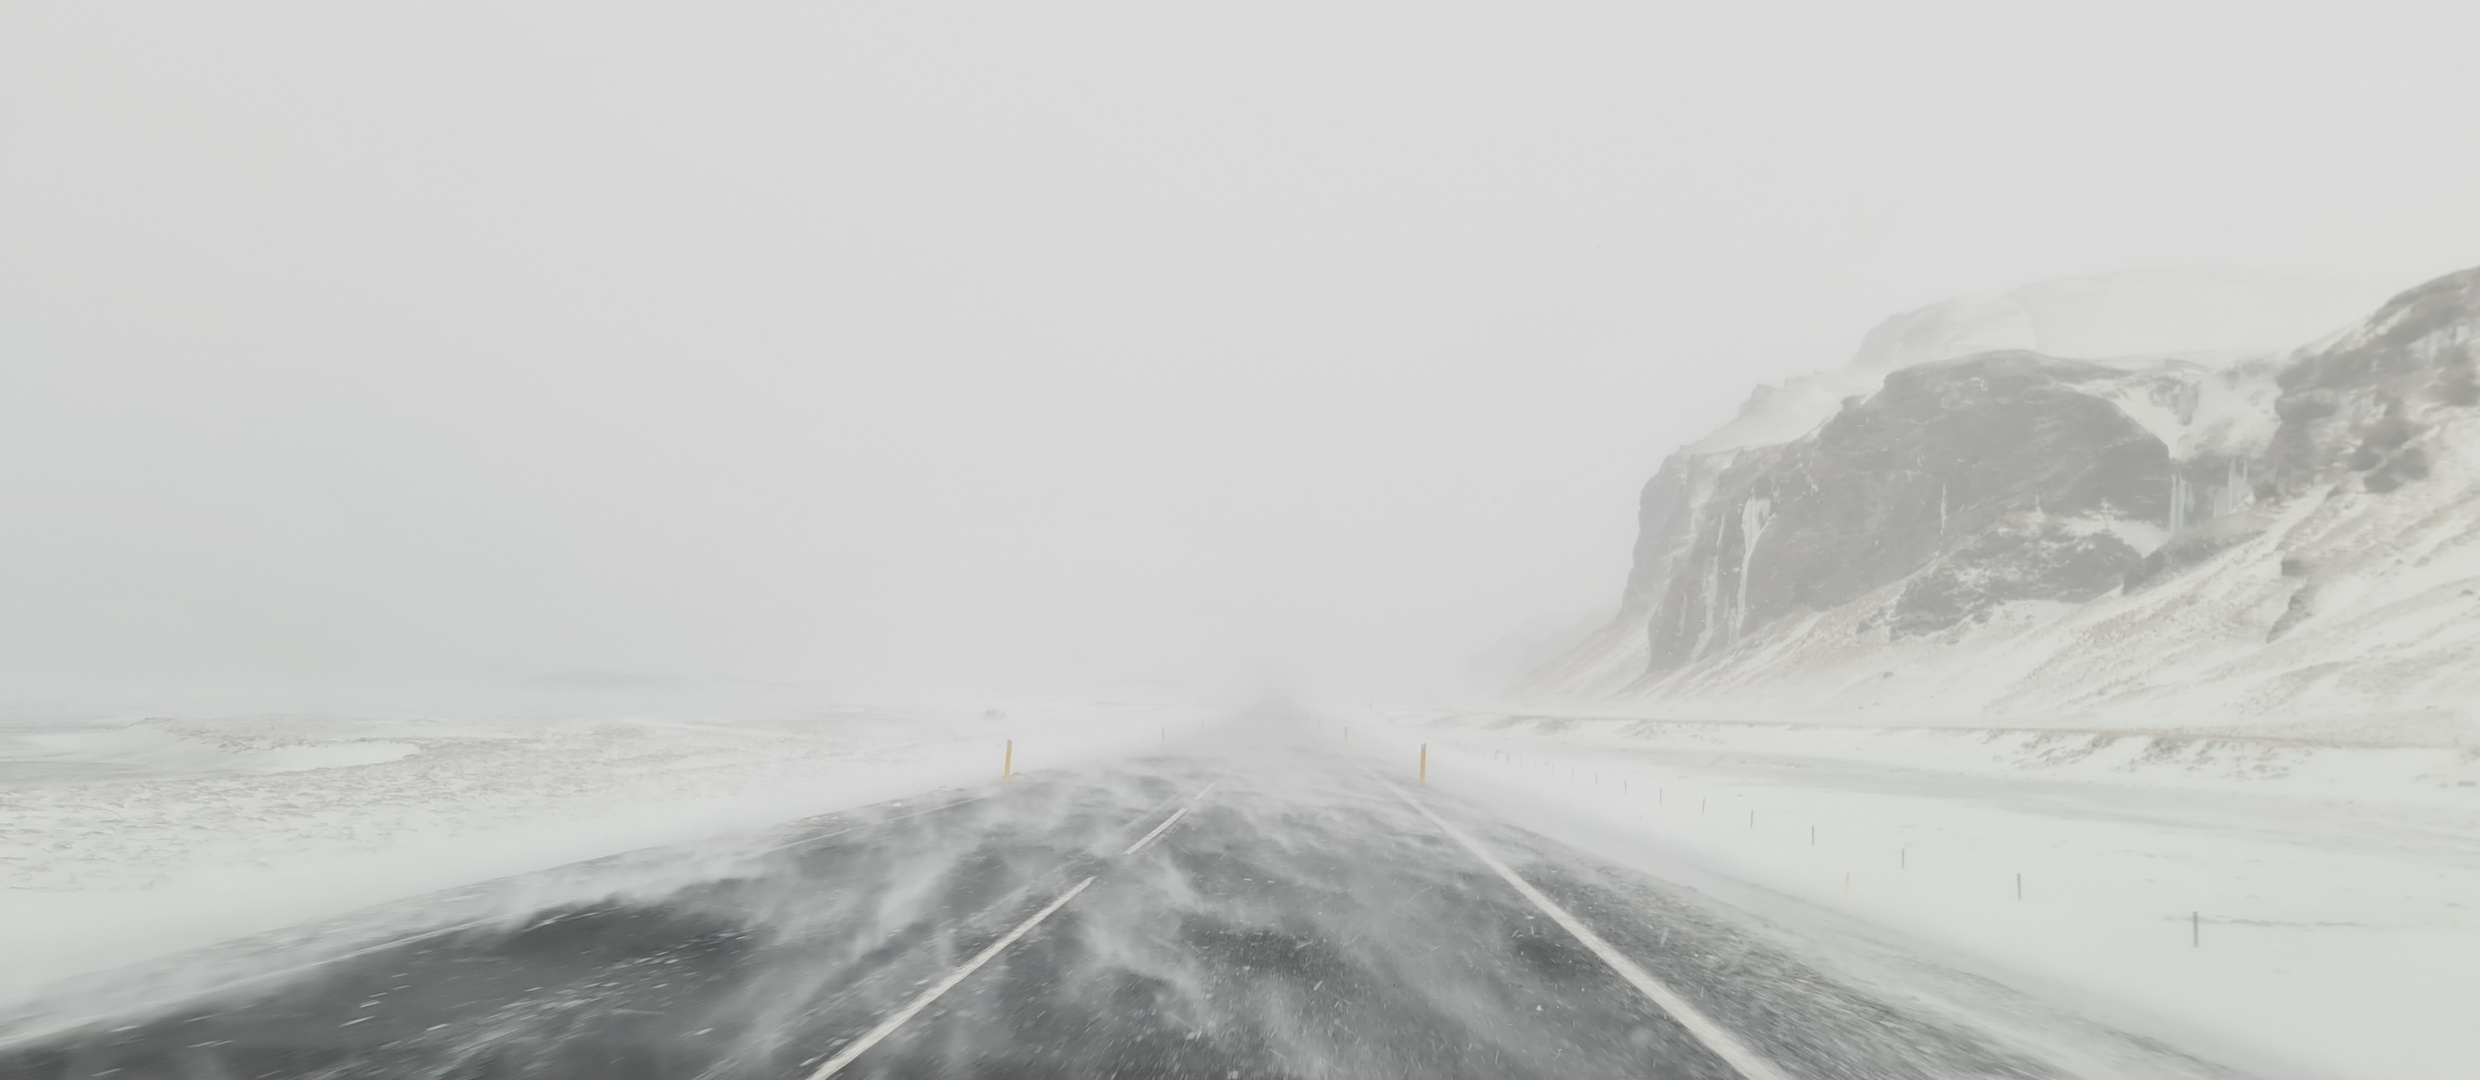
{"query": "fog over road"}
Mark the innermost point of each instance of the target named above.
(1299, 917)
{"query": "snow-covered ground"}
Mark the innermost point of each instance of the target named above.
(123, 842)
(2294, 903)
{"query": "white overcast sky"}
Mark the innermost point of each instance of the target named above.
(981, 347)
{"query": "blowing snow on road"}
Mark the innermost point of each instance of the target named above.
(1226, 909)
(1326, 540)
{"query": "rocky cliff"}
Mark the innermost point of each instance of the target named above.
(2006, 530)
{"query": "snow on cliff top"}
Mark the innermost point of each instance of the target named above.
(2157, 312)
(2211, 315)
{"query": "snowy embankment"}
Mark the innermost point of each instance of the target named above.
(122, 843)
(2289, 904)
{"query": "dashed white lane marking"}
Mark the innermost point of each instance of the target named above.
(1723, 1044)
(18, 1038)
(888, 1026)
(1176, 815)
(410, 939)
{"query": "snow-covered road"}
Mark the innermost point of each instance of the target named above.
(1299, 918)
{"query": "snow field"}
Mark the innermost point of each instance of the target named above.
(225, 829)
(2317, 924)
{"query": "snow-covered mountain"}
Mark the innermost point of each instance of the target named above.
(2084, 495)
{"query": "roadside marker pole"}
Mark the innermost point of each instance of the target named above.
(1007, 765)
(2195, 929)
(1425, 763)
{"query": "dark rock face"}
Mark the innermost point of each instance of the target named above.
(1941, 453)
(2361, 404)
(2003, 470)
(2019, 557)
(1962, 486)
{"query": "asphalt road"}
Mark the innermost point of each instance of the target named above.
(1300, 918)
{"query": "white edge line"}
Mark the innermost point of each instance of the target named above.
(1723, 1044)
(889, 1025)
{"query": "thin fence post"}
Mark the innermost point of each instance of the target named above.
(1007, 764)
(1425, 763)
